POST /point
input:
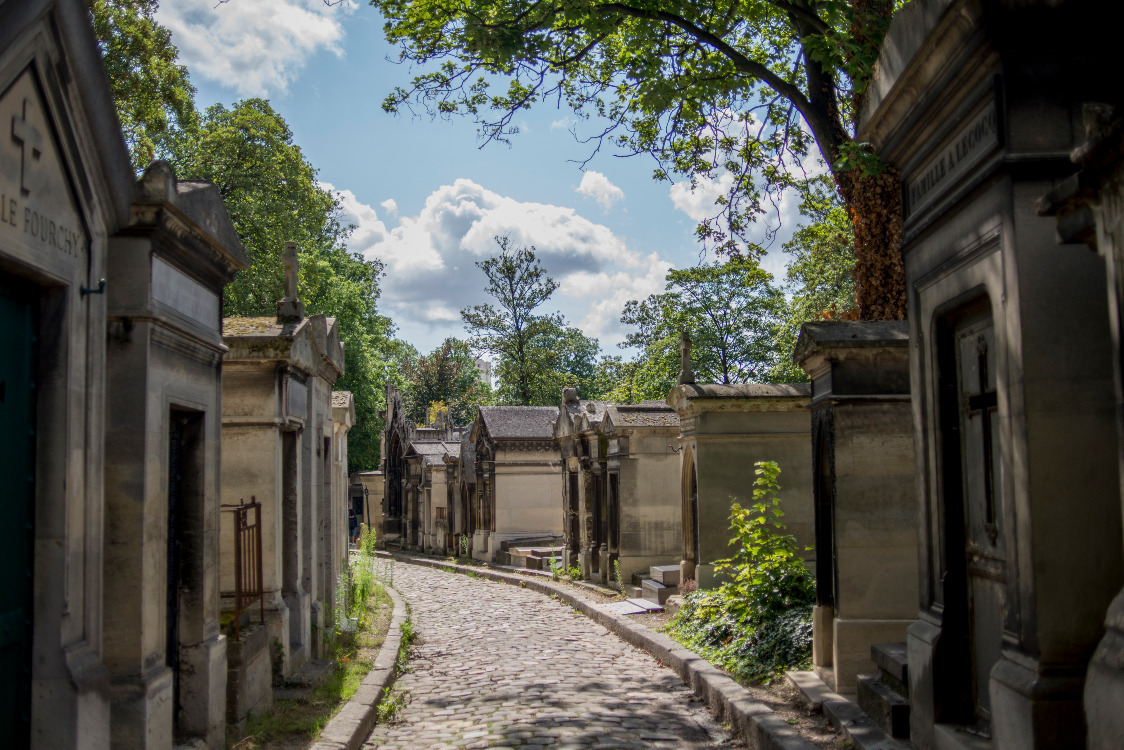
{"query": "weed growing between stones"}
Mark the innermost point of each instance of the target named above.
(465, 542)
(758, 623)
(617, 575)
(391, 704)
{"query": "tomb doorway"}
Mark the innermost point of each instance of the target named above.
(975, 591)
(18, 332)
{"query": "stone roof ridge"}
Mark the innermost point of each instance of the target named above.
(849, 334)
(696, 391)
(519, 422)
(341, 398)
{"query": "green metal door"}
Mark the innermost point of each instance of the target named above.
(17, 504)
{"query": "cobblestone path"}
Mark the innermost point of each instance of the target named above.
(497, 666)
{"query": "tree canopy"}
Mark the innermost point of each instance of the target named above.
(152, 91)
(706, 87)
(732, 311)
(447, 376)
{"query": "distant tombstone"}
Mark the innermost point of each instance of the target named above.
(975, 102)
(864, 491)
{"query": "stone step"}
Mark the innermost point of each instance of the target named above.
(885, 706)
(811, 690)
(893, 663)
(655, 591)
(668, 575)
(860, 729)
(633, 592)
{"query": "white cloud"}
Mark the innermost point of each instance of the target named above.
(564, 123)
(610, 291)
(369, 228)
(255, 46)
(597, 186)
(390, 206)
(430, 260)
(698, 202)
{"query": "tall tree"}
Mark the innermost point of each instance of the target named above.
(732, 311)
(511, 331)
(703, 86)
(448, 375)
(538, 354)
(153, 93)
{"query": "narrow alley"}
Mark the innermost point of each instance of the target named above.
(496, 666)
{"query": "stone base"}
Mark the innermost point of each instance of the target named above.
(851, 641)
(300, 631)
(1104, 686)
(604, 568)
(585, 560)
(1034, 708)
(316, 630)
(705, 576)
(823, 635)
(480, 549)
(142, 710)
(202, 677)
(249, 682)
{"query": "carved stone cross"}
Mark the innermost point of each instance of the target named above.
(686, 375)
(30, 143)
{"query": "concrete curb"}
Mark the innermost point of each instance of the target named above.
(753, 720)
(350, 727)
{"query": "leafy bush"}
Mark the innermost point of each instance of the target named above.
(757, 624)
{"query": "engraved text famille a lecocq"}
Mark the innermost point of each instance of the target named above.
(23, 207)
(979, 137)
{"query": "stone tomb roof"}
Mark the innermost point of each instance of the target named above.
(711, 396)
(519, 422)
(341, 399)
(433, 453)
(312, 343)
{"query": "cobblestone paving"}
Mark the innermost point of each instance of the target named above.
(497, 666)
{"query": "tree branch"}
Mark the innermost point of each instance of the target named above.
(818, 121)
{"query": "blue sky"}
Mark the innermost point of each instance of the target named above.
(426, 199)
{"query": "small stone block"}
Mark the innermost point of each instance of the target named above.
(668, 575)
(656, 591)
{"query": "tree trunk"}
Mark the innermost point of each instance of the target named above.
(875, 206)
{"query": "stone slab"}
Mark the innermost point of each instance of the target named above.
(647, 604)
(625, 608)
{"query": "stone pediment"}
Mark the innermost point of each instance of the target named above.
(39, 211)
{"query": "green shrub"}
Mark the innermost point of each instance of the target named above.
(757, 624)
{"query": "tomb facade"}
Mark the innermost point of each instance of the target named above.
(585, 524)
(724, 431)
(277, 434)
(864, 492)
(518, 477)
(1088, 210)
(644, 508)
(978, 105)
(163, 646)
